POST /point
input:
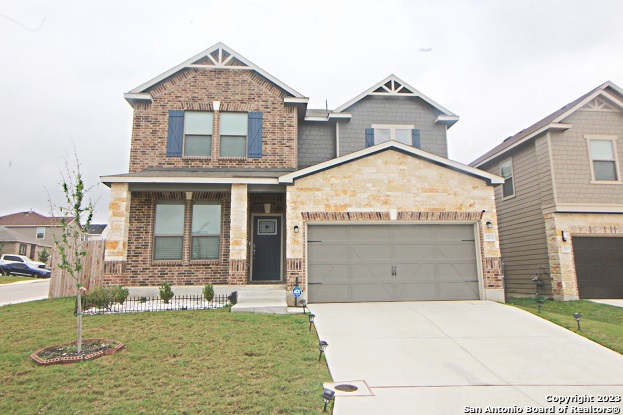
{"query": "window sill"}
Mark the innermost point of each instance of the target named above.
(232, 158)
(196, 157)
(606, 182)
(166, 262)
(509, 197)
(205, 261)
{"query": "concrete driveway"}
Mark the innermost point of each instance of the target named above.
(460, 357)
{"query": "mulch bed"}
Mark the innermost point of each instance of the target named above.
(67, 353)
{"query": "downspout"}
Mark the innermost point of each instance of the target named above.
(337, 139)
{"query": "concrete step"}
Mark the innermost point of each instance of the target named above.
(266, 308)
(255, 295)
(269, 299)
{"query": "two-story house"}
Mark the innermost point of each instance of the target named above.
(234, 181)
(28, 233)
(560, 210)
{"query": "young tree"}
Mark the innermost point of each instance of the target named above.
(70, 244)
(43, 256)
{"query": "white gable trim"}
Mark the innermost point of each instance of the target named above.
(491, 178)
(392, 77)
(207, 54)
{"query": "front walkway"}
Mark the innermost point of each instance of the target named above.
(452, 357)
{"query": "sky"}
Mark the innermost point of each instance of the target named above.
(499, 65)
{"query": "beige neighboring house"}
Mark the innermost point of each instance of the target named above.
(12, 242)
(234, 181)
(30, 232)
(560, 211)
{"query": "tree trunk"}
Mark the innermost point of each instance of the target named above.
(79, 316)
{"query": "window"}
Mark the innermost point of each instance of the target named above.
(603, 159)
(506, 171)
(22, 249)
(233, 134)
(198, 133)
(206, 231)
(40, 233)
(169, 231)
(400, 133)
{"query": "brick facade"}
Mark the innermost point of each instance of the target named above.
(197, 89)
(141, 269)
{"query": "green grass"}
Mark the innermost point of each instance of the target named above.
(175, 362)
(7, 279)
(601, 323)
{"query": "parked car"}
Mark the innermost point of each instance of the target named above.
(6, 258)
(24, 268)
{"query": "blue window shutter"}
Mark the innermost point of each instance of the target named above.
(254, 147)
(369, 137)
(175, 136)
(415, 138)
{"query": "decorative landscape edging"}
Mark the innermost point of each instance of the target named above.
(74, 359)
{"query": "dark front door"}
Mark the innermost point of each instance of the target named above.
(266, 248)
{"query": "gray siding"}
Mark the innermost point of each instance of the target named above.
(572, 165)
(521, 225)
(316, 143)
(392, 110)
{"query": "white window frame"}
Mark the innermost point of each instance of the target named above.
(194, 235)
(184, 134)
(155, 235)
(246, 136)
(613, 139)
(42, 232)
(512, 176)
(392, 130)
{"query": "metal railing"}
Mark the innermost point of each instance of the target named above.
(146, 304)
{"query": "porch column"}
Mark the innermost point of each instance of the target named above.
(238, 235)
(117, 233)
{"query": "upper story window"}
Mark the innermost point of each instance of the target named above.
(169, 231)
(400, 133)
(381, 133)
(506, 171)
(603, 159)
(40, 233)
(198, 133)
(233, 134)
(191, 133)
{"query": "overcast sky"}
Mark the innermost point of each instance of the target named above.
(499, 65)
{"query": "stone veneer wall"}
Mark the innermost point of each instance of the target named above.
(141, 270)
(561, 260)
(368, 189)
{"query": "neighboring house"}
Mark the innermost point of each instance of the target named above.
(560, 210)
(35, 231)
(12, 242)
(233, 180)
(97, 232)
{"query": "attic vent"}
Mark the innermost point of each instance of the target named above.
(393, 87)
(220, 58)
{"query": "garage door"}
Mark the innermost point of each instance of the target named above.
(599, 266)
(349, 263)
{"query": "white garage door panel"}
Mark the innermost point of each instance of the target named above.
(391, 262)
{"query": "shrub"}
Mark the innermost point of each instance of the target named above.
(121, 294)
(166, 293)
(208, 292)
(104, 297)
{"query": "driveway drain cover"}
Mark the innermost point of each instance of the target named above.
(346, 388)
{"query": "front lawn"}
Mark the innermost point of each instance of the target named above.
(7, 279)
(599, 322)
(175, 362)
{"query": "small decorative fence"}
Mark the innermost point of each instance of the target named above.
(143, 304)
